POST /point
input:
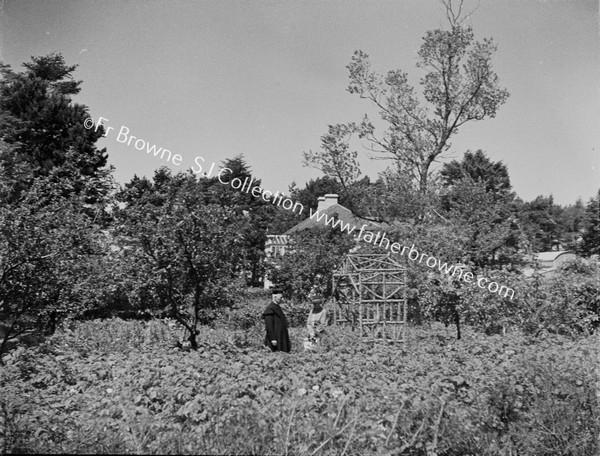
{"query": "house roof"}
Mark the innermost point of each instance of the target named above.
(343, 214)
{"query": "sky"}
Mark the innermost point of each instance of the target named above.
(218, 78)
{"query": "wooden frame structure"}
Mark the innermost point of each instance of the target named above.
(370, 290)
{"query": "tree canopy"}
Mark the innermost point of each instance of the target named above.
(459, 86)
(45, 130)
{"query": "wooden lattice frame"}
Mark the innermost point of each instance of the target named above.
(370, 290)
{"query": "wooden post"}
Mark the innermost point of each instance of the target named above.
(404, 308)
(357, 286)
(360, 312)
(384, 296)
(335, 303)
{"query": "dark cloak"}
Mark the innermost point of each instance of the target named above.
(277, 328)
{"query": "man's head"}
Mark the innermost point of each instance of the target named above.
(276, 295)
(317, 305)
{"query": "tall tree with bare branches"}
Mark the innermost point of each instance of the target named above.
(459, 86)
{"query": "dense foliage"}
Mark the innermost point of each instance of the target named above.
(48, 253)
(311, 256)
(46, 132)
(117, 387)
(181, 257)
(591, 235)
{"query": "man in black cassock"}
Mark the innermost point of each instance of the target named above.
(276, 325)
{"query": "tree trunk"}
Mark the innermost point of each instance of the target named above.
(457, 321)
(192, 338)
(424, 172)
(3, 347)
(423, 182)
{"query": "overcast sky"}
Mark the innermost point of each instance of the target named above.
(265, 78)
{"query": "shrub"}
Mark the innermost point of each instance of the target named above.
(311, 254)
(247, 314)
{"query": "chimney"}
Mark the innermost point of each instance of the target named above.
(327, 201)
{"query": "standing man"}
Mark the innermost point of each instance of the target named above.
(276, 325)
(317, 318)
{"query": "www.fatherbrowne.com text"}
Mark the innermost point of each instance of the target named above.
(381, 240)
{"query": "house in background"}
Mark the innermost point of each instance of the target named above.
(328, 209)
(548, 262)
(275, 245)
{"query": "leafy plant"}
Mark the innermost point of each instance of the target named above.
(85, 392)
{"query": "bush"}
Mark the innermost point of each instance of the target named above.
(112, 335)
(311, 257)
(297, 313)
(248, 313)
(245, 314)
(567, 303)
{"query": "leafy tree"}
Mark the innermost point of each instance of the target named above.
(258, 213)
(479, 168)
(141, 190)
(486, 223)
(549, 226)
(184, 258)
(539, 221)
(335, 159)
(46, 130)
(312, 255)
(428, 289)
(133, 190)
(225, 195)
(591, 236)
(47, 249)
(395, 197)
(54, 188)
(571, 225)
(477, 201)
(459, 86)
